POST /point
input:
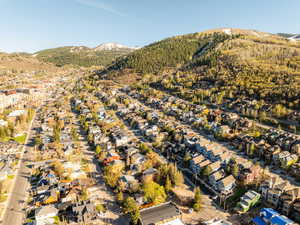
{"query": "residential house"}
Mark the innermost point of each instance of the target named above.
(128, 182)
(100, 139)
(224, 158)
(194, 163)
(163, 214)
(295, 148)
(73, 170)
(111, 156)
(248, 200)
(149, 174)
(287, 199)
(94, 191)
(68, 149)
(268, 216)
(40, 189)
(117, 163)
(150, 130)
(295, 170)
(285, 159)
(226, 184)
(204, 163)
(49, 197)
(45, 215)
(217, 222)
(3, 123)
(249, 175)
(5, 169)
(223, 131)
(279, 156)
(216, 152)
(271, 152)
(71, 195)
(14, 114)
(120, 138)
(215, 177)
(137, 159)
(272, 189)
(296, 211)
(83, 212)
(230, 118)
(214, 166)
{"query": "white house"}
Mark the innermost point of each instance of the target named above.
(45, 215)
(16, 113)
(3, 123)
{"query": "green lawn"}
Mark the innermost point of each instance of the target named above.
(232, 200)
(20, 139)
(10, 176)
(4, 139)
(3, 197)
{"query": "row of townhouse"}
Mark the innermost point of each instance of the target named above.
(211, 154)
(282, 196)
(274, 146)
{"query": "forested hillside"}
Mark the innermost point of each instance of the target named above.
(170, 53)
(81, 56)
(221, 66)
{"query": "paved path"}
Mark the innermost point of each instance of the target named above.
(14, 213)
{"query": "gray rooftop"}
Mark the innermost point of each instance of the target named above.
(153, 215)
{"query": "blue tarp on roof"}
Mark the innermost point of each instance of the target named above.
(281, 220)
(257, 220)
(269, 213)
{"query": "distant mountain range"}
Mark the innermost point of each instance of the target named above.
(101, 55)
(295, 37)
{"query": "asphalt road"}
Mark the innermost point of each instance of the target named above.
(14, 213)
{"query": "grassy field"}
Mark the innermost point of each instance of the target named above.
(3, 198)
(11, 177)
(20, 139)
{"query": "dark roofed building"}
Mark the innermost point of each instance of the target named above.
(160, 214)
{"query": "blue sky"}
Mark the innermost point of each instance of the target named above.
(32, 25)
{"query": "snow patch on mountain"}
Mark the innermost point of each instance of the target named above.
(295, 38)
(111, 46)
(78, 48)
(227, 31)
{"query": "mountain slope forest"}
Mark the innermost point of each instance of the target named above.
(81, 56)
(219, 65)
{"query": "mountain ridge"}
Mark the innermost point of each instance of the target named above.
(100, 55)
(107, 46)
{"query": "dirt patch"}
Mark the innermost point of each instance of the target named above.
(183, 196)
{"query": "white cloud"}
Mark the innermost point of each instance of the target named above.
(100, 5)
